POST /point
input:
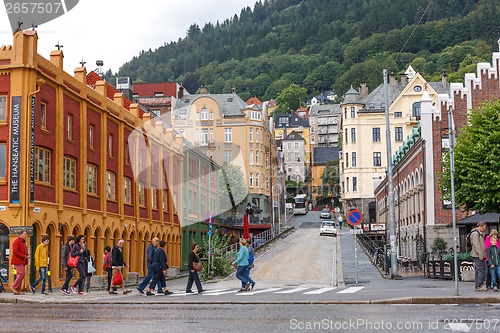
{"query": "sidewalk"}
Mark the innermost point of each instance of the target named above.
(411, 289)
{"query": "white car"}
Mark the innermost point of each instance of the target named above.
(325, 214)
(328, 227)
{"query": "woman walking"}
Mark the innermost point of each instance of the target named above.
(242, 265)
(159, 268)
(193, 274)
(79, 250)
(106, 265)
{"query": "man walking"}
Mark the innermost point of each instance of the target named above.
(117, 265)
(147, 279)
(20, 258)
(65, 251)
(478, 254)
(41, 263)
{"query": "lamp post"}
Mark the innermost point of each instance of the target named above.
(451, 135)
(390, 199)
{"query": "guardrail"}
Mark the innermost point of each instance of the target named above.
(376, 253)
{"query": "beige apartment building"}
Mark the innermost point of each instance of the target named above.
(230, 131)
(364, 155)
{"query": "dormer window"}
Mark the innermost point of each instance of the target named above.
(371, 106)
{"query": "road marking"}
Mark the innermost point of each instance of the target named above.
(296, 290)
(182, 293)
(221, 293)
(250, 293)
(320, 291)
(350, 290)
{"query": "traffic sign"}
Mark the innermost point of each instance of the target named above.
(209, 233)
(356, 231)
(354, 217)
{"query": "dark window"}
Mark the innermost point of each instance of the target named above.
(399, 133)
(353, 112)
(353, 135)
(353, 159)
(377, 159)
(354, 184)
(376, 134)
(346, 136)
(415, 109)
(398, 114)
(346, 160)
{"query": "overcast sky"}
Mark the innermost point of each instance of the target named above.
(116, 30)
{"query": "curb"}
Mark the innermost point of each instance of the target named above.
(394, 301)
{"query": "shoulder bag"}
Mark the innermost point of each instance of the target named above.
(197, 266)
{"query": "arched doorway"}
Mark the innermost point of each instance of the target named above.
(35, 239)
(4, 251)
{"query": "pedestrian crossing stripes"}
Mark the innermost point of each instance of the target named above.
(320, 291)
(350, 290)
(302, 290)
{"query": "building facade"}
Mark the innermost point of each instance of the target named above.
(324, 122)
(65, 169)
(294, 153)
(229, 131)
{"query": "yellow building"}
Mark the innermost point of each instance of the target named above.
(230, 131)
(68, 164)
(364, 154)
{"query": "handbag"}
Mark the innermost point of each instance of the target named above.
(118, 280)
(90, 266)
(73, 261)
(197, 266)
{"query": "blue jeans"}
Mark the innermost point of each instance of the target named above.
(495, 273)
(42, 278)
(69, 276)
(480, 267)
(247, 275)
(241, 274)
(147, 280)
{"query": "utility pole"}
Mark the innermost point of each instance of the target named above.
(390, 199)
(451, 136)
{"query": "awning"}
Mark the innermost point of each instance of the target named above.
(489, 218)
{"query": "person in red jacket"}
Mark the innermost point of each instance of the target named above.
(20, 258)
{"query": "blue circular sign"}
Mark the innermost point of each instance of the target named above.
(354, 217)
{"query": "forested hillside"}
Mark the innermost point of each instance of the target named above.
(324, 44)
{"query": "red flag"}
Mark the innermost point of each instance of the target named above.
(246, 227)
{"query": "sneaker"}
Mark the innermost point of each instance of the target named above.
(44, 293)
(140, 290)
(64, 292)
(148, 293)
(128, 291)
(73, 289)
(482, 288)
(168, 292)
(495, 289)
(112, 292)
(32, 290)
(253, 284)
(190, 292)
(81, 293)
(242, 289)
(247, 287)
(201, 291)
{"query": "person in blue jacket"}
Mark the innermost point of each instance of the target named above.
(159, 268)
(242, 265)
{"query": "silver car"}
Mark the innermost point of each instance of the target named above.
(328, 227)
(325, 214)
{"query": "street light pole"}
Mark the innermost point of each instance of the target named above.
(392, 216)
(451, 135)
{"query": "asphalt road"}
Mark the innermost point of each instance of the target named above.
(248, 318)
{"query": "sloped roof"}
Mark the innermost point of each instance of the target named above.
(325, 109)
(231, 105)
(293, 120)
(254, 100)
(351, 96)
(322, 155)
(294, 136)
(475, 218)
(92, 79)
(377, 97)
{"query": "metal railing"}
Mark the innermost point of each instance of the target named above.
(376, 253)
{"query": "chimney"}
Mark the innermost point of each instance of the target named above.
(393, 81)
(444, 81)
(233, 90)
(180, 93)
(363, 89)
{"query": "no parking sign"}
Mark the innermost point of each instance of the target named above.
(354, 217)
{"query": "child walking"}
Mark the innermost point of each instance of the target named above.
(494, 262)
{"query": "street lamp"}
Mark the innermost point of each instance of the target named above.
(451, 136)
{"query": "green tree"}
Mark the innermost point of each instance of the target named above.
(232, 187)
(477, 176)
(330, 185)
(291, 98)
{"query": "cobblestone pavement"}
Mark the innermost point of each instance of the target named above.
(304, 258)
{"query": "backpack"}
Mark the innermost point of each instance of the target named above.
(468, 241)
(250, 258)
